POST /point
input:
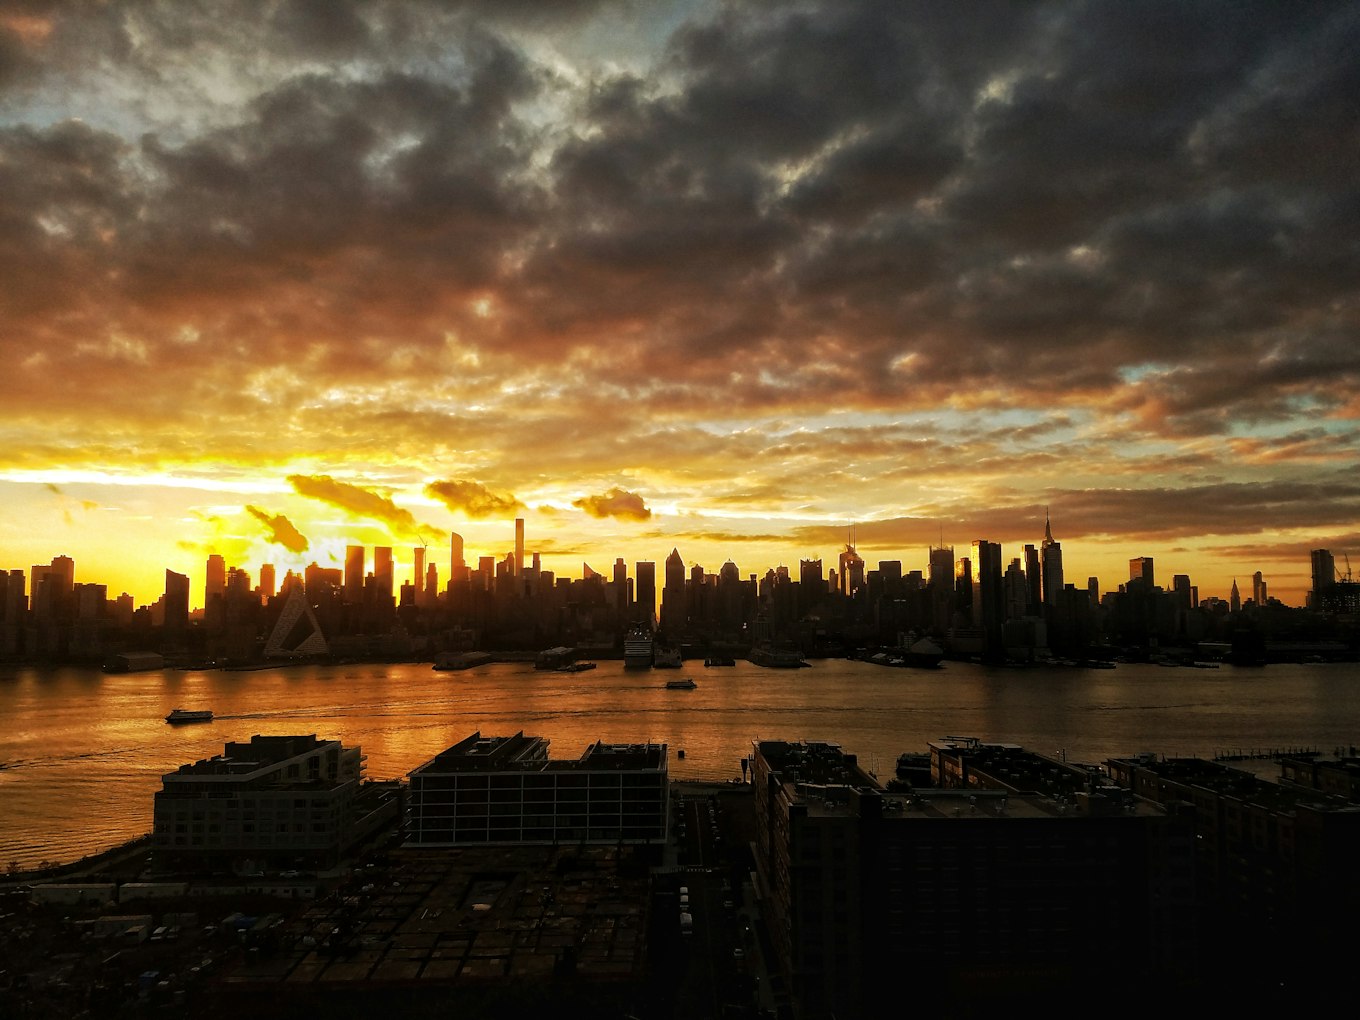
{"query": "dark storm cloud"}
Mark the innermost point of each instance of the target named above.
(1147, 212)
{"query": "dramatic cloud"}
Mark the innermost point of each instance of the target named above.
(807, 262)
(473, 499)
(281, 530)
(619, 503)
(362, 502)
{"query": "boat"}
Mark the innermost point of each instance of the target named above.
(449, 661)
(637, 649)
(923, 654)
(187, 715)
(719, 660)
(575, 667)
(686, 684)
(776, 658)
(667, 657)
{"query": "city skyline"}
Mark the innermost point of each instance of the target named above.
(727, 278)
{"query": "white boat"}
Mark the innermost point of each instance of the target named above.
(686, 684)
(187, 715)
(638, 648)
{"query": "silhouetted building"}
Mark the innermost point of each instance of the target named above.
(505, 790)
(280, 801)
(354, 574)
(988, 896)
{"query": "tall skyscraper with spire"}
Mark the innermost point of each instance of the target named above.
(1050, 556)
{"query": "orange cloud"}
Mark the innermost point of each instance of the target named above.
(362, 502)
(281, 530)
(472, 498)
(616, 502)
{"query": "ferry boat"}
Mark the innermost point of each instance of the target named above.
(686, 684)
(719, 660)
(637, 649)
(186, 715)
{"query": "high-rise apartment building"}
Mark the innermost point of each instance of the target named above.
(519, 546)
(418, 570)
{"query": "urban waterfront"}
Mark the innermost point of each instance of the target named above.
(82, 752)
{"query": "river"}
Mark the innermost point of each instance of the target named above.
(82, 753)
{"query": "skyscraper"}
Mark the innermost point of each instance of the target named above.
(354, 574)
(646, 591)
(851, 569)
(989, 595)
(1034, 589)
(1258, 589)
(267, 581)
(383, 576)
(418, 569)
(1050, 555)
(1324, 576)
(1141, 570)
(457, 565)
(519, 546)
(215, 581)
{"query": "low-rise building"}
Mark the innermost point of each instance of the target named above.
(506, 790)
(274, 801)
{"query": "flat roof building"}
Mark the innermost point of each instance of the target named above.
(961, 896)
(274, 800)
(506, 790)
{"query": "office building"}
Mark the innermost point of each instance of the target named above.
(457, 564)
(850, 569)
(274, 801)
(989, 595)
(215, 579)
(519, 546)
(354, 574)
(1141, 571)
(384, 575)
(506, 790)
(646, 592)
(1050, 558)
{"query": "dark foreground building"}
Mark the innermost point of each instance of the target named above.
(965, 898)
(271, 802)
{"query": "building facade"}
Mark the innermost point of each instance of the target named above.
(506, 790)
(280, 800)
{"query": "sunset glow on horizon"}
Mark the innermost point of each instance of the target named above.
(730, 278)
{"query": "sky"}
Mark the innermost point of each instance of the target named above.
(731, 278)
